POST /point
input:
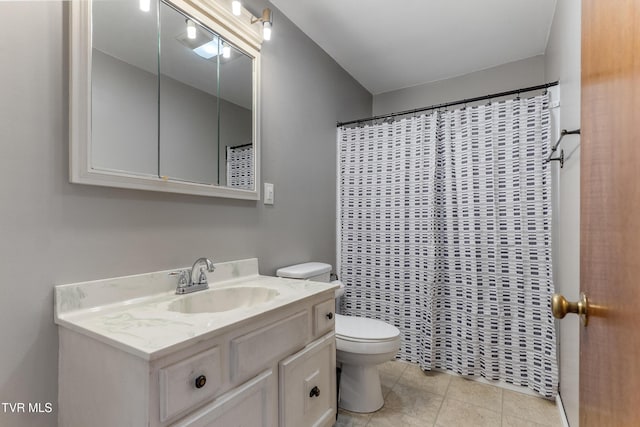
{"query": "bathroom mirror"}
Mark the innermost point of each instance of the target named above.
(164, 97)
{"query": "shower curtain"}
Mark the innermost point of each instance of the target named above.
(240, 166)
(445, 232)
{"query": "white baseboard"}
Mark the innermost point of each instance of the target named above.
(563, 415)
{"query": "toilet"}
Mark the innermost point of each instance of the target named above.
(362, 344)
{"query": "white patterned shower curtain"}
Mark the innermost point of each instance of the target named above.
(240, 166)
(445, 232)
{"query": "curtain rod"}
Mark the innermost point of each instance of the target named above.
(240, 146)
(448, 104)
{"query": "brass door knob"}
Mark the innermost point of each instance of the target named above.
(560, 307)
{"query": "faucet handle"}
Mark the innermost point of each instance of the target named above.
(202, 277)
(183, 277)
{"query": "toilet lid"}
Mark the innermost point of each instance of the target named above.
(362, 329)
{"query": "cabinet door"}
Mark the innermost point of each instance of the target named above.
(324, 317)
(249, 405)
(253, 352)
(187, 383)
(308, 385)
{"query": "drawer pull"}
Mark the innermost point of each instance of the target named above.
(201, 381)
(315, 392)
(329, 315)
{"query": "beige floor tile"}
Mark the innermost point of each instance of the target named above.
(510, 421)
(351, 419)
(417, 398)
(410, 402)
(389, 374)
(530, 408)
(398, 420)
(475, 393)
(394, 367)
(433, 382)
(455, 413)
(386, 387)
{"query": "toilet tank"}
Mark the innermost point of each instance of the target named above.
(315, 271)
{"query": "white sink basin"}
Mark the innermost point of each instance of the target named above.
(226, 299)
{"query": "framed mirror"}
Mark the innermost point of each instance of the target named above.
(164, 97)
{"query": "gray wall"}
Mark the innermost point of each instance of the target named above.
(188, 132)
(562, 62)
(125, 120)
(124, 116)
(514, 75)
(54, 232)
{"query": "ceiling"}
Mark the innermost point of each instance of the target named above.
(389, 45)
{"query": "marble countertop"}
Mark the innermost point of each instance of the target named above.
(131, 313)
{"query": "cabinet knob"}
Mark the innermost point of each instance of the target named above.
(315, 392)
(329, 315)
(201, 381)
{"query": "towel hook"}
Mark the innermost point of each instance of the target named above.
(557, 159)
(560, 159)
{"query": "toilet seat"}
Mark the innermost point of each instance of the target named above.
(365, 336)
(364, 329)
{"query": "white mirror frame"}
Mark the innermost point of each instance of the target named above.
(216, 15)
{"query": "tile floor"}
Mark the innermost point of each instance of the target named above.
(415, 398)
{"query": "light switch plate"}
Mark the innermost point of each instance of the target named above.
(268, 193)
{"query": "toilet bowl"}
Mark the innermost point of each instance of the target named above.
(361, 345)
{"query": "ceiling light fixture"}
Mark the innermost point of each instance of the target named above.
(226, 50)
(145, 5)
(267, 22)
(207, 50)
(266, 30)
(236, 7)
(191, 29)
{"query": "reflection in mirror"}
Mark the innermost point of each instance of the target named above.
(236, 145)
(124, 88)
(157, 107)
(188, 99)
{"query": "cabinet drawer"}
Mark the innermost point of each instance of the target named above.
(248, 405)
(189, 382)
(308, 385)
(254, 352)
(324, 317)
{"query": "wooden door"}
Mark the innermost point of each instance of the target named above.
(610, 213)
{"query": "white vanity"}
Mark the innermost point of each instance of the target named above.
(250, 351)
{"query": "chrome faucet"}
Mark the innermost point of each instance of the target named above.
(196, 279)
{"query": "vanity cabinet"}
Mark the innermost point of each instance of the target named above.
(308, 384)
(273, 369)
